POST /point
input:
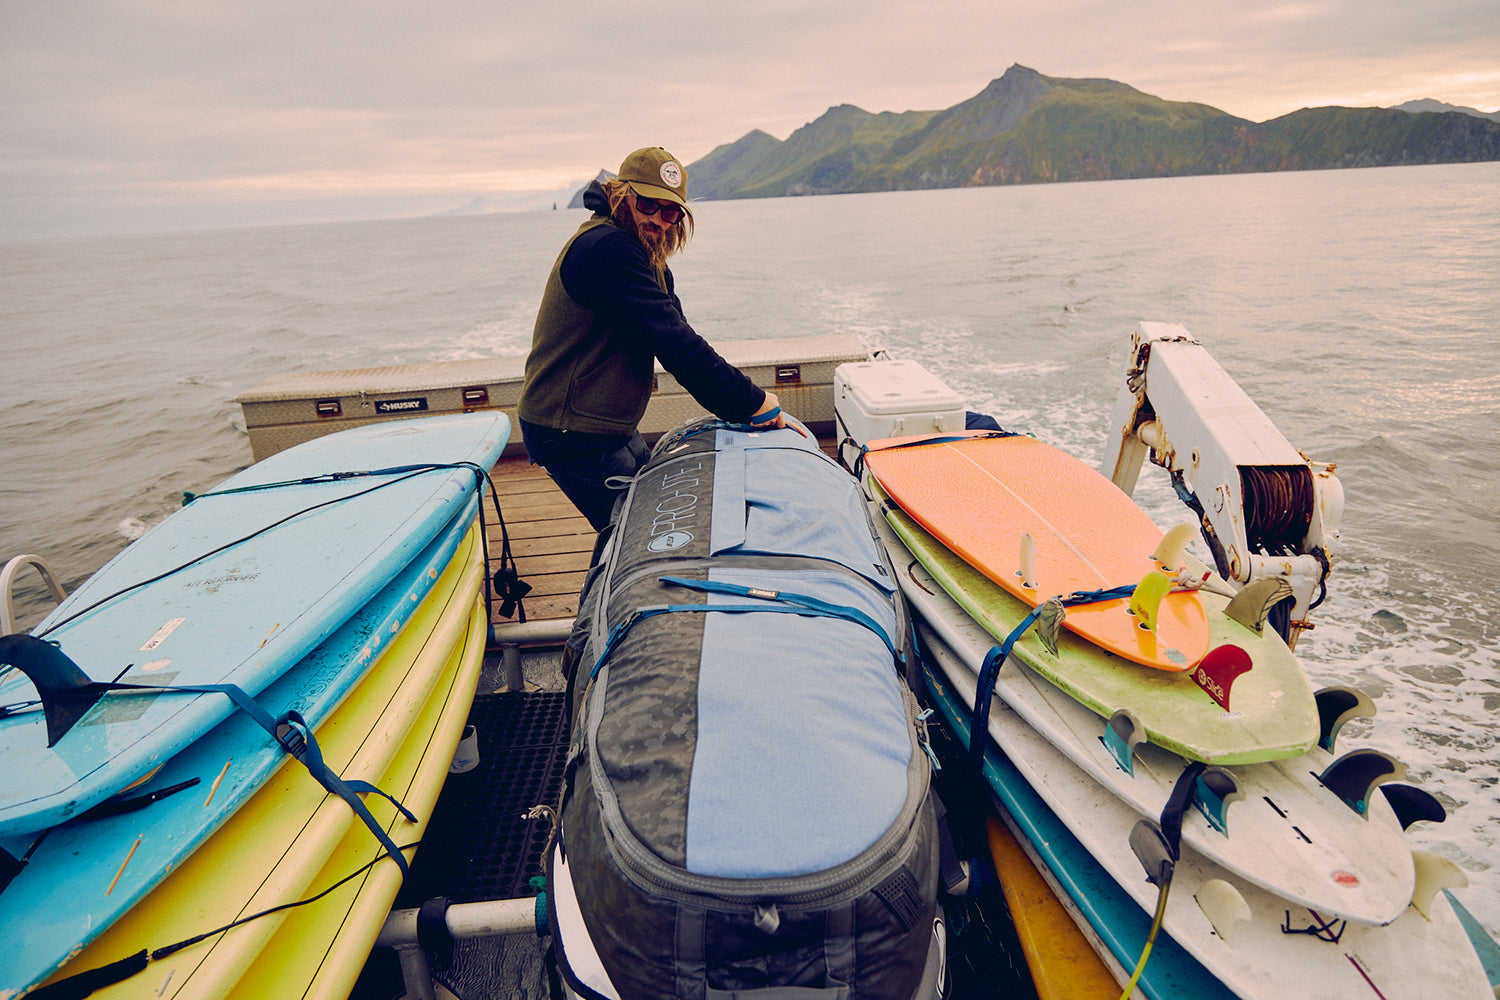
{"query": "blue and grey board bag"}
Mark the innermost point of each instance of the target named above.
(747, 810)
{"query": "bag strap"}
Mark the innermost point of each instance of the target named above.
(774, 602)
(813, 604)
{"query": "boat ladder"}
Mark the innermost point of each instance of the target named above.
(7, 582)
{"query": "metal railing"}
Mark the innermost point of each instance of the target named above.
(7, 586)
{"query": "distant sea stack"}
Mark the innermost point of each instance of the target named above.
(577, 200)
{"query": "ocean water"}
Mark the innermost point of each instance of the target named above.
(1360, 309)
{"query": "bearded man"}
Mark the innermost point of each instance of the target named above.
(609, 311)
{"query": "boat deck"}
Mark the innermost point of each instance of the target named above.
(549, 540)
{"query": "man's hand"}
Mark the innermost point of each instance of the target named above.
(770, 417)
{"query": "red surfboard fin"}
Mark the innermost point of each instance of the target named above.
(1217, 671)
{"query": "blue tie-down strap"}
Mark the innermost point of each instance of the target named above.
(1095, 596)
(865, 449)
(811, 605)
(989, 670)
(776, 602)
(292, 733)
(979, 722)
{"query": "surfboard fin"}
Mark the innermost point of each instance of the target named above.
(66, 691)
(1027, 567)
(1434, 872)
(1145, 600)
(1216, 790)
(1336, 706)
(1219, 669)
(1049, 621)
(1356, 774)
(1253, 604)
(1224, 907)
(1155, 854)
(1411, 804)
(1122, 734)
(1169, 549)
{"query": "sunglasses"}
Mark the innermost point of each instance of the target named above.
(670, 214)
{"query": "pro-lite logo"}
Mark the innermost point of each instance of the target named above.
(676, 510)
(671, 540)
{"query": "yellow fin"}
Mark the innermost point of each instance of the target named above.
(1145, 602)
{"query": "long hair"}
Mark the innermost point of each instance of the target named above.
(677, 234)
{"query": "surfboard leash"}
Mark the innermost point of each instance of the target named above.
(1158, 845)
(989, 670)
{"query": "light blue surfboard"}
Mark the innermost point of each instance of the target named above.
(41, 927)
(1486, 947)
(233, 589)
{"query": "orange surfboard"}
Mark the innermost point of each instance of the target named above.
(1013, 506)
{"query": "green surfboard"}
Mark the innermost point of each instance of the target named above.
(1271, 715)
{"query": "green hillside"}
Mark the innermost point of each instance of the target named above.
(1028, 128)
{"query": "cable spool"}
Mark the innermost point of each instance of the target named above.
(1278, 505)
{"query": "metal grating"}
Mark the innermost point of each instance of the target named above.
(478, 846)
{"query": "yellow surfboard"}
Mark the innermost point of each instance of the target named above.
(1064, 966)
(326, 944)
(394, 730)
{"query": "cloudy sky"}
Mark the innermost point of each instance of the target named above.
(126, 115)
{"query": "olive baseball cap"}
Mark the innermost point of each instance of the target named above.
(655, 173)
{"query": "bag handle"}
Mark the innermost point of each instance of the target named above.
(834, 991)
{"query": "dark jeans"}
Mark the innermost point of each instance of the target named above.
(583, 464)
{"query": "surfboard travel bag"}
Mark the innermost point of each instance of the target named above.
(747, 809)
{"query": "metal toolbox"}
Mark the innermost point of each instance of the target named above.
(286, 410)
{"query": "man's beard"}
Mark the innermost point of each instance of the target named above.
(660, 242)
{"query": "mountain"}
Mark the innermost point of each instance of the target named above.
(1428, 104)
(1029, 128)
(829, 155)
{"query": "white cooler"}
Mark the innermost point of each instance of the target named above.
(886, 399)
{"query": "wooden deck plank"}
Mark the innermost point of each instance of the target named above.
(549, 545)
(550, 541)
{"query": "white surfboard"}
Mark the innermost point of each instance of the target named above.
(1262, 948)
(1289, 835)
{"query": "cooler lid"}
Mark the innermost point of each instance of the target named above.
(895, 386)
